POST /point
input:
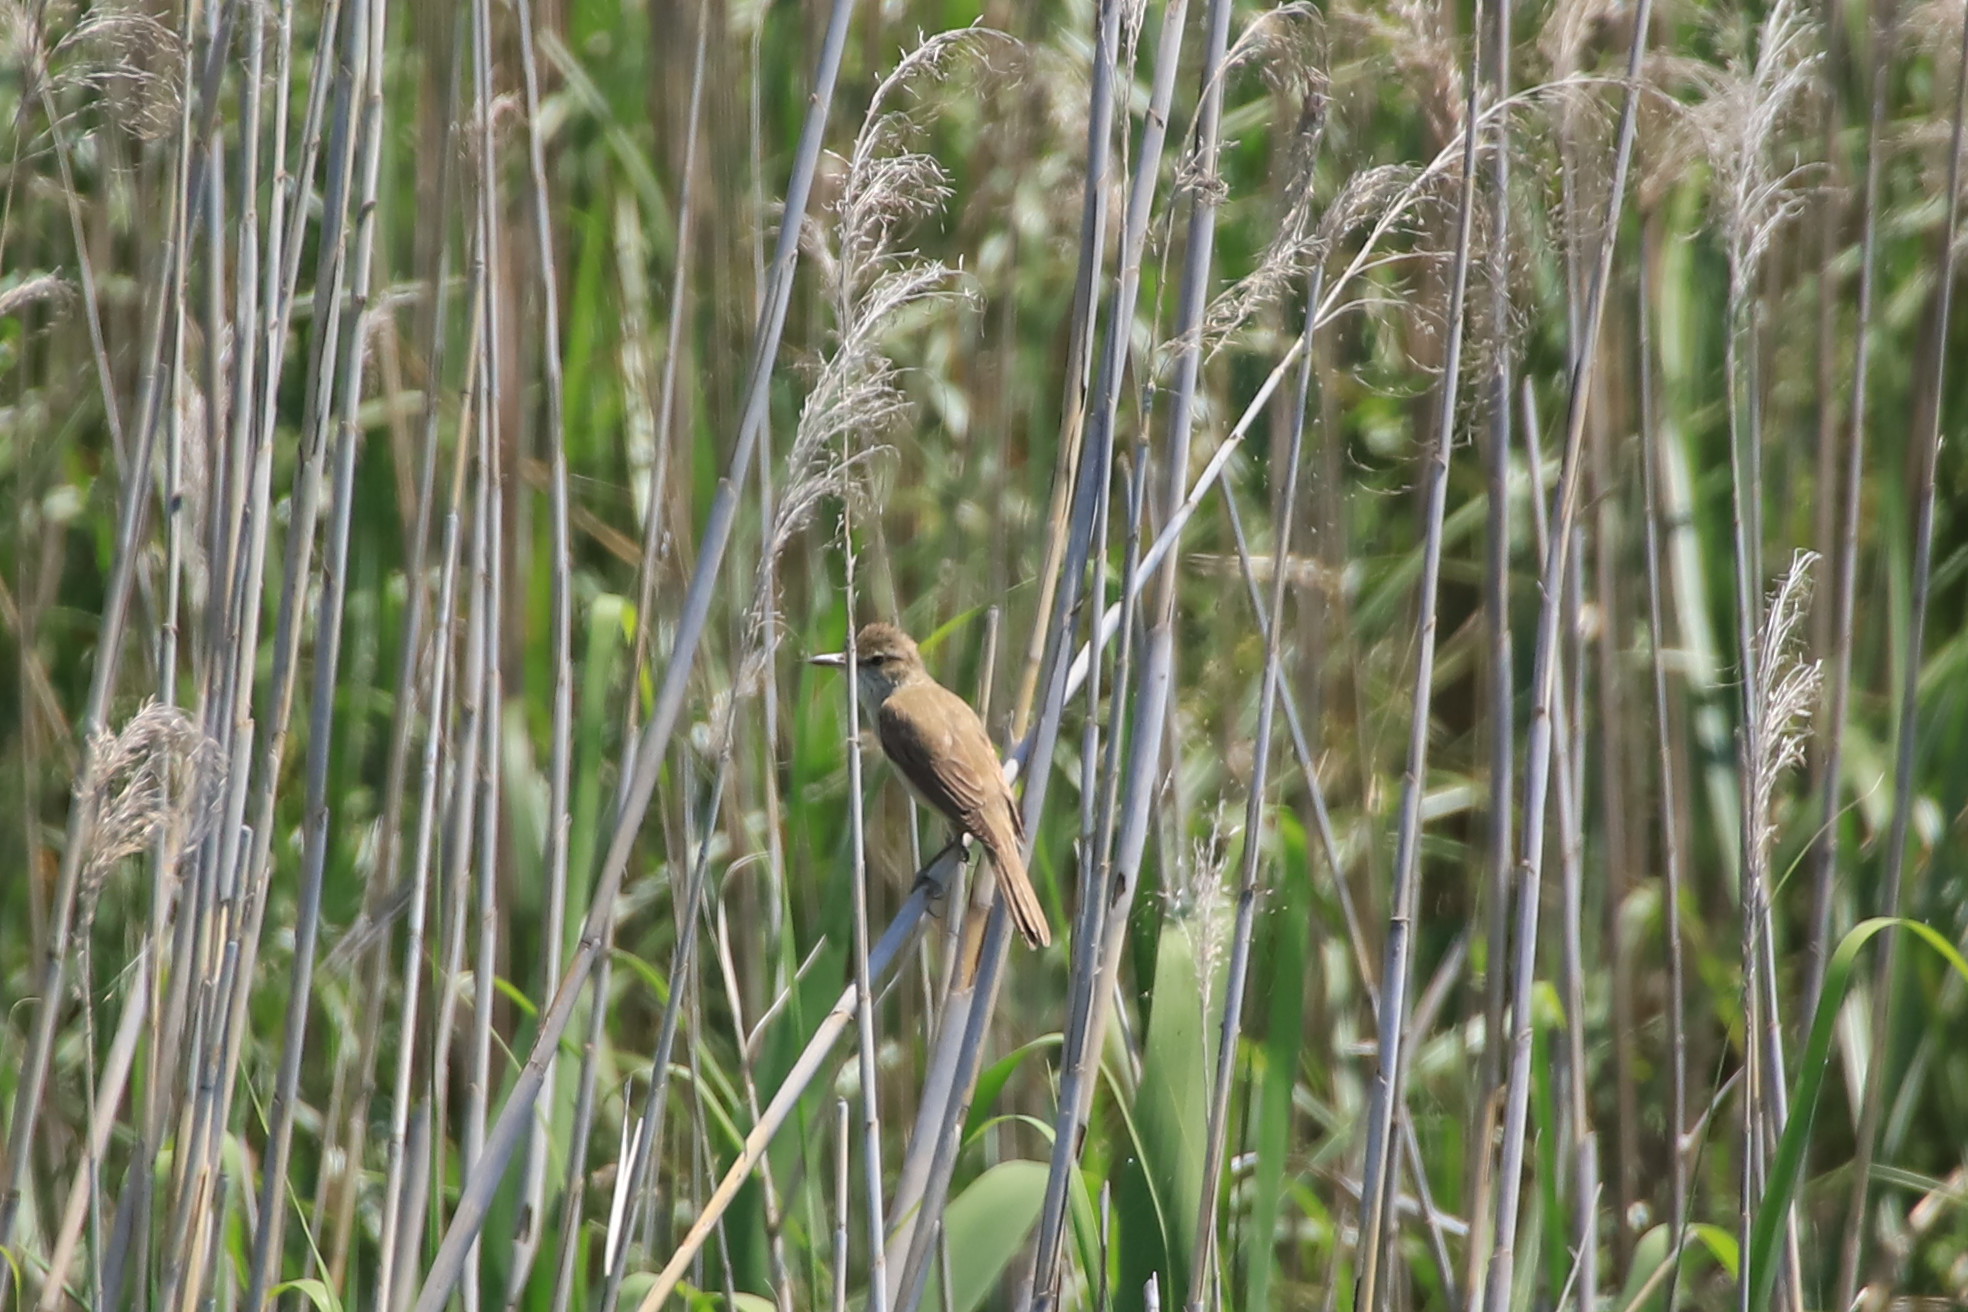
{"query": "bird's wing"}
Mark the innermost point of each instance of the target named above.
(936, 740)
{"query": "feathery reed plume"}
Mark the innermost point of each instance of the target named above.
(159, 776)
(1284, 48)
(96, 65)
(1197, 895)
(873, 282)
(1742, 122)
(1789, 693)
(49, 289)
(1416, 36)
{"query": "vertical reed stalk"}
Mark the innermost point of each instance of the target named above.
(560, 754)
(1845, 577)
(1537, 771)
(476, 1198)
(1501, 695)
(864, 1010)
(936, 1118)
(1670, 829)
(1379, 1178)
(1893, 895)
(1248, 890)
(366, 36)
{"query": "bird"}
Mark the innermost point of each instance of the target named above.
(941, 749)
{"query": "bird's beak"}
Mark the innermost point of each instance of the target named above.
(833, 659)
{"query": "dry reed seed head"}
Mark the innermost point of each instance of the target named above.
(1411, 34)
(1666, 143)
(113, 62)
(1581, 34)
(1757, 99)
(1296, 246)
(161, 776)
(1788, 695)
(1285, 46)
(50, 290)
(889, 183)
(1581, 114)
(1134, 17)
(1934, 26)
(1198, 896)
(856, 395)
(1057, 83)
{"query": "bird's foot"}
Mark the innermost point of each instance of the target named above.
(938, 885)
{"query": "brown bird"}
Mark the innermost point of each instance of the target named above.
(943, 753)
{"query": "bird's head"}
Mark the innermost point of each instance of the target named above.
(885, 659)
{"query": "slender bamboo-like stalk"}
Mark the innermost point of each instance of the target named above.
(864, 1007)
(397, 1161)
(1670, 828)
(934, 1119)
(560, 754)
(465, 793)
(1828, 210)
(1567, 749)
(476, 1199)
(1096, 811)
(841, 1173)
(1845, 574)
(683, 965)
(1095, 188)
(1078, 1065)
(1892, 896)
(237, 464)
(1569, 742)
(1379, 1178)
(1247, 893)
(1198, 266)
(484, 909)
(893, 946)
(1537, 771)
(1501, 693)
(475, 795)
(366, 33)
(1610, 701)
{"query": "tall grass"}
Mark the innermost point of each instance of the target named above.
(435, 435)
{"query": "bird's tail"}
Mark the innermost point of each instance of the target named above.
(1020, 898)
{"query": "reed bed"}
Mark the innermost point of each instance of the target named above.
(1447, 511)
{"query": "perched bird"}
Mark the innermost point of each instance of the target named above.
(940, 747)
